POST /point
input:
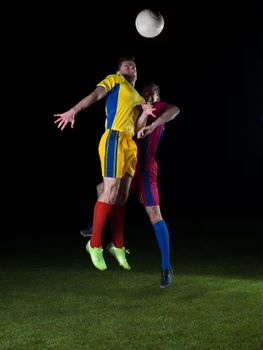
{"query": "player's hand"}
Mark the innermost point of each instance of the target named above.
(146, 130)
(64, 118)
(148, 109)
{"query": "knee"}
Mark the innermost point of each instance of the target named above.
(154, 214)
(155, 218)
(99, 188)
(109, 193)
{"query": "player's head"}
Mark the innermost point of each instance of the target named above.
(127, 67)
(151, 92)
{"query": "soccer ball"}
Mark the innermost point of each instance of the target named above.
(149, 23)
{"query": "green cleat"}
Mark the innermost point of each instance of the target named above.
(119, 255)
(96, 257)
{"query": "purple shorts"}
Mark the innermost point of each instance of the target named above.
(144, 184)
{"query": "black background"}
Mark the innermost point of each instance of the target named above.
(208, 60)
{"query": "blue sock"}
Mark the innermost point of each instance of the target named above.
(162, 236)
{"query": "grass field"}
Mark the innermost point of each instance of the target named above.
(53, 298)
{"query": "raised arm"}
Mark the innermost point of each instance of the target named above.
(169, 114)
(69, 116)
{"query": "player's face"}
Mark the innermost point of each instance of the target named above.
(129, 71)
(150, 95)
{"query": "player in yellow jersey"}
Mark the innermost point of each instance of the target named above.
(117, 151)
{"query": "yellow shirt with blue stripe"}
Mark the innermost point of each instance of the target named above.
(122, 102)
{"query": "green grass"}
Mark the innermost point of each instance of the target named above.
(53, 298)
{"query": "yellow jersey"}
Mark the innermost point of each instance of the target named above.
(122, 104)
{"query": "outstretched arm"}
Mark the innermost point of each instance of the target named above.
(169, 114)
(69, 116)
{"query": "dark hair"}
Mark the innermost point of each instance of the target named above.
(122, 59)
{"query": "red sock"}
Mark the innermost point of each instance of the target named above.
(101, 212)
(117, 215)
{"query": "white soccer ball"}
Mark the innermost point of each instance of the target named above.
(149, 24)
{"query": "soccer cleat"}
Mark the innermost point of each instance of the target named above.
(86, 232)
(96, 257)
(119, 255)
(166, 278)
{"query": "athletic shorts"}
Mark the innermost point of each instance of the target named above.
(144, 184)
(118, 154)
